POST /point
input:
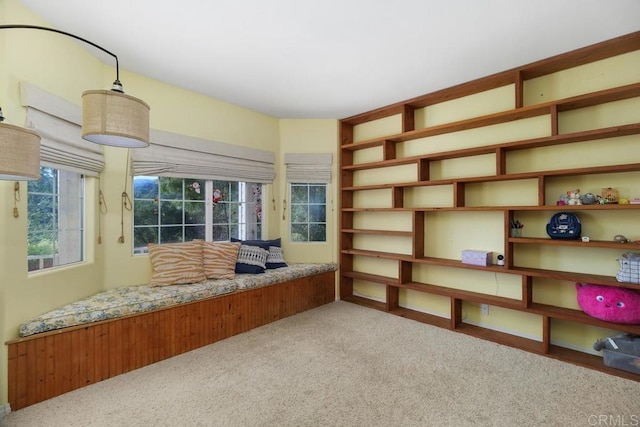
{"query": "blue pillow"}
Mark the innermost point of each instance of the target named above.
(275, 258)
(264, 244)
(251, 260)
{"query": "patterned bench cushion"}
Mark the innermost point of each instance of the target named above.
(129, 300)
(283, 274)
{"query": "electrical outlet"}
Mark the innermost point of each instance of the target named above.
(484, 309)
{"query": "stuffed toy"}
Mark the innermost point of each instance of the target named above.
(623, 343)
(574, 197)
(609, 303)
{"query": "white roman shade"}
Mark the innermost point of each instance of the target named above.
(311, 168)
(57, 121)
(182, 156)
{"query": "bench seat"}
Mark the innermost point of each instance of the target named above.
(120, 302)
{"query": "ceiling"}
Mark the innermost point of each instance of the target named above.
(332, 58)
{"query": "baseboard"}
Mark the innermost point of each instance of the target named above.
(5, 410)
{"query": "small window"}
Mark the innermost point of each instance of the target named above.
(308, 212)
(55, 219)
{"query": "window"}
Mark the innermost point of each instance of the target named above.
(168, 210)
(55, 219)
(308, 212)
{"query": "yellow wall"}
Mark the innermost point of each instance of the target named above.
(61, 66)
(448, 233)
(309, 136)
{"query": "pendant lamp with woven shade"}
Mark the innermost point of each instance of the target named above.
(19, 153)
(113, 118)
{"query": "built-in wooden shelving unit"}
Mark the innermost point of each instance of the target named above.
(423, 164)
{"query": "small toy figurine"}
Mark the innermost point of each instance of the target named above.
(574, 197)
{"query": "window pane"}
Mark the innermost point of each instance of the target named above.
(145, 212)
(194, 213)
(317, 233)
(171, 234)
(234, 212)
(194, 189)
(42, 212)
(299, 194)
(299, 213)
(171, 212)
(317, 213)
(299, 232)
(194, 232)
(171, 188)
(142, 236)
(317, 194)
(221, 232)
(221, 213)
(232, 192)
(145, 187)
(234, 231)
(46, 184)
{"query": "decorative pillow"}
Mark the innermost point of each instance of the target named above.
(176, 263)
(264, 244)
(251, 259)
(275, 258)
(219, 259)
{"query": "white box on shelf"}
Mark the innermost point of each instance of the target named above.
(476, 257)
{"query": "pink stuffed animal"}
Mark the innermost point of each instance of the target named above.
(609, 303)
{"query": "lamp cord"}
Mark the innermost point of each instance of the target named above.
(117, 84)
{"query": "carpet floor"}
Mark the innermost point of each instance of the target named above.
(346, 365)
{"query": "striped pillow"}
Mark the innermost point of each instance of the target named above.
(219, 259)
(176, 263)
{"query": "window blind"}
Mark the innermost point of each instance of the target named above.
(182, 156)
(311, 168)
(57, 121)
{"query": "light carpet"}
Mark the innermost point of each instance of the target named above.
(346, 365)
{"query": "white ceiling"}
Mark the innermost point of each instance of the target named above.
(332, 58)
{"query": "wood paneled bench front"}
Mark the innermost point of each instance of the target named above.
(123, 329)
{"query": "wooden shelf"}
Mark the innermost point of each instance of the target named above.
(592, 243)
(378, 232)
(567, 104)
(570, 276)
(546, 141)
(578, 316)
(418, 316)
(371, 277)
(507, 157)
(477, 297)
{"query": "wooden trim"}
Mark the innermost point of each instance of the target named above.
(46, 365)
